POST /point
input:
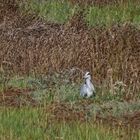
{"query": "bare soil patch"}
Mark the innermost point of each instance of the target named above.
(65, 112)
(13, 97)
(128, 120)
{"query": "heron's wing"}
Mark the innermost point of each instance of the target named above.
(83, 90)
(93, 88)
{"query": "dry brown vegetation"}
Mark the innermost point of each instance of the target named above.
(28, 45)
(16, 98)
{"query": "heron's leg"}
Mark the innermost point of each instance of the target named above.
(94, 94)
(85, 95)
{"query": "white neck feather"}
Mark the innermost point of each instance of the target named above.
(88, 82)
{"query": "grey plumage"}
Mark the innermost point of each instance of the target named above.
(87, 89)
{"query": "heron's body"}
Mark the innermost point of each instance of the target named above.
(87, 89)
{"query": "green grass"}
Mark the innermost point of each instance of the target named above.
(29, 123)
(112, 15)
(62, 11)
(51, 10)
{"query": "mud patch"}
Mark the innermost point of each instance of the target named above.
(65, 112)
(69, 113)
(133, 119)
(16, 97)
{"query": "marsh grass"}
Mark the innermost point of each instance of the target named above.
(60, 90)
(35, 123)
(29, 123)
(42, 89)
(62, 11)
(65, 92)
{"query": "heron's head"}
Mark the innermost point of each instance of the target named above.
(87, 75)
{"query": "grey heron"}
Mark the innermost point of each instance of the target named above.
(87, 89)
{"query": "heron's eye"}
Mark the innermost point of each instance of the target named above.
(88, 73)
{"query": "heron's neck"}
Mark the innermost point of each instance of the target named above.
(87, 81)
